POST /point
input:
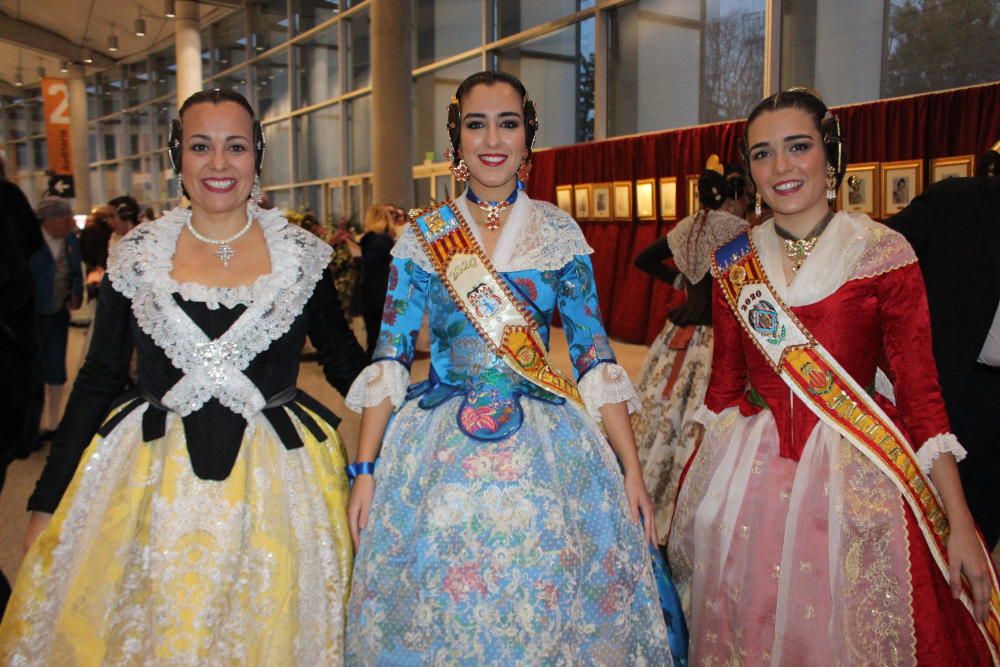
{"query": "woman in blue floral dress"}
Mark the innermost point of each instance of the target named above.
(497, 527)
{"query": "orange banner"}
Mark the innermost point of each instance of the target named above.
(55, 97)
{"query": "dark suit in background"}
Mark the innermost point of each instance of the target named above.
(20, 377)
(954, 227)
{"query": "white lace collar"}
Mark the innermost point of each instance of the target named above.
(693, 241)
(537, 236)
(853, 247)
(139, 268)
(147, 252)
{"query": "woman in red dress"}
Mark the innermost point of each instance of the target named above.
(789, 544)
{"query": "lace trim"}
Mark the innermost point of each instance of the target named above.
(885, 250)
(693, 256)
(545, 239)
(609, 383)
(140, 270)
(944, 443)
(381, 380)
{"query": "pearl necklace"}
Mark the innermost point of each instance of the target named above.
(225, 251)
(492, 209)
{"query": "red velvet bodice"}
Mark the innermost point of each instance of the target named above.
(859, 322)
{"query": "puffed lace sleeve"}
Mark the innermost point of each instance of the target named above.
(388, 374)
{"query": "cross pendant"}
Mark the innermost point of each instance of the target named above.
(225, 253)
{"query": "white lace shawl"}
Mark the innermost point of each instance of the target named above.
(139, 268)
(692, 241)
(536, 236)
(853, 247)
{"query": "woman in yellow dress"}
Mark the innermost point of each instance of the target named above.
(205, 523)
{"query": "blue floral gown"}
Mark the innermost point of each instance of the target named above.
(499, 532)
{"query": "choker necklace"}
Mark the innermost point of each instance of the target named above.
(225, 251)
(491, 208)
(797, 249)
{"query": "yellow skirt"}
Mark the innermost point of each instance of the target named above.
(146, 564)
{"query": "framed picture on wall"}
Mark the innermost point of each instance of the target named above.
(581, 201)
(668, 198)
(645, 199)
(692, 193)
(600, 201)
(952, 167)
(901, 182)
(623, 200)
(859, 191)
(564, 198)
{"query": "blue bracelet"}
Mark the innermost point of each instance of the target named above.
(360, 468)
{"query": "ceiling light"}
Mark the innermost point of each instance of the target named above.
(168, 9)
(140, 27)
(88, 57)
(18, 80)
(64, 66)
(41, 71)
(112, 40)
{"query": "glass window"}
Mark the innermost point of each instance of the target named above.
(96, 194)
(359, 117)
(669, 68)
(230, 41)
(269, 21)
(310, 198)
(36, 123)
(209, 65)
(163, 113)
(308, 14)
(271, 77)
(133, 128)
(164, 73)
(318, 144)
(92, 102)
(277, 165)
(442, 28)
(558, 71)
(358, 50)
(513, 16)
(234, 81)
(109, 130)
(280, 199)
(431, 95)
(336, 203)
(318, 66)
(137, 87)
(108, 91)
(92, 143)
(854, 51)
(109, 173)
(15, 122)
(41, 155)
(21, 156)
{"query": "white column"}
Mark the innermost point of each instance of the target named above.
(188, 50)
(392, 103)
(79, 138)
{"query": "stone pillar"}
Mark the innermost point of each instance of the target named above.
(79, 138)
(392, 103)
(188, 49)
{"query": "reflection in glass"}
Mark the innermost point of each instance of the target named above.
(317, 62)
(558, 71)
(137, 87)
(853, 51)
(277, 165)
(269, 22)
(308, 14)
(442, 28)
(513, 16)
(310, 198)
(431, 95)
(358, 29)
(271, 77)
(669, 68)
(359, 117)
(318, 144)
(41, 154)
(233, 81)
(164, 73)
(280, 199)
(230, 41)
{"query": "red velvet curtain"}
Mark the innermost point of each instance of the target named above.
(957, 122)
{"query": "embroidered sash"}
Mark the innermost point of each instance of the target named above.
(485, 298)
(839, 401)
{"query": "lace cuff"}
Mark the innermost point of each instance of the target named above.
(609, 383)
(704, 416)
(381, 380)
(945, 443)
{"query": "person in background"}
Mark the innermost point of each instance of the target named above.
(94, 246)
(375, 248)
(147, 215)
(954, 227)
(126, 217)
(675, 372)
(20, 375)
(56, 270)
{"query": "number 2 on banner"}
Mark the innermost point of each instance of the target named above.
(59, 115)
